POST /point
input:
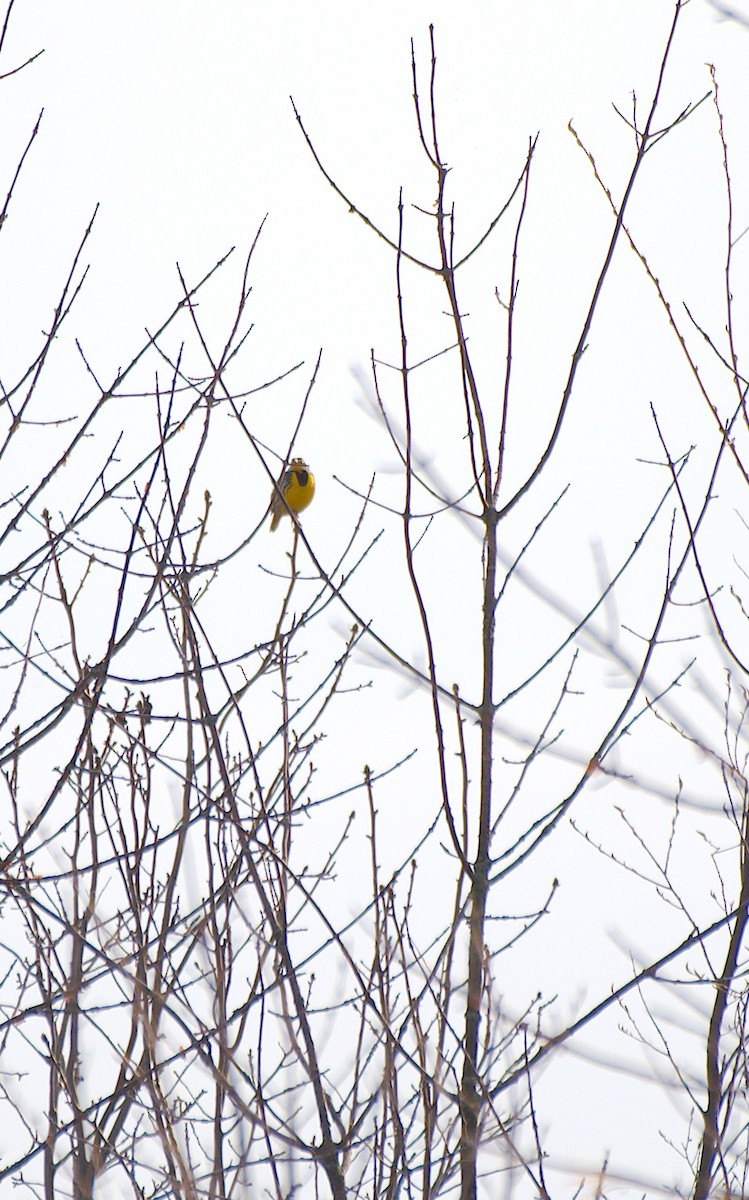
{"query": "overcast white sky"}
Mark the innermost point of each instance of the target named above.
(175, 119)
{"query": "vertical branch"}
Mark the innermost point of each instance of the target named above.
(470, 1087)
(511, 320)
(710, 1150)
(433, 678)
(482, 471)
(470, 1092)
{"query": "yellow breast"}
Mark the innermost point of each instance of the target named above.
(301, 488)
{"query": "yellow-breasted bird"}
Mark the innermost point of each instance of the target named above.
(297, 484)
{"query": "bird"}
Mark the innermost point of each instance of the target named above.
(297, 486)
